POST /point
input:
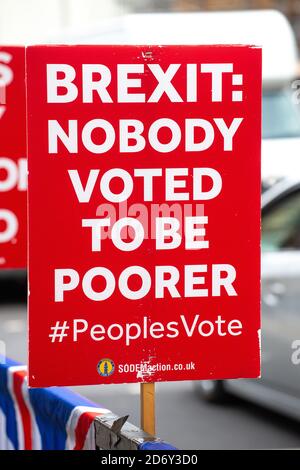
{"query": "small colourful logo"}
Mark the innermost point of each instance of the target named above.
(106, 367)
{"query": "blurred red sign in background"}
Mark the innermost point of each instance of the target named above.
(144, 213)
(13, 164)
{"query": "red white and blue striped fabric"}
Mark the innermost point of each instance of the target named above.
(53, 418)
(47, 418)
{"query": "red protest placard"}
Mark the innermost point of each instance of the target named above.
(144, 213)
(13, 164)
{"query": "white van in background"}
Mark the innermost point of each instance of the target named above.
(266, 28)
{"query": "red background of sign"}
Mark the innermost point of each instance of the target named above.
(13, 145)
(57, 239)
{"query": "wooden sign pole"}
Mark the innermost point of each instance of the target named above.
(147, 391)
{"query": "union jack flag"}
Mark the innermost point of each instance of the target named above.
(48, 419)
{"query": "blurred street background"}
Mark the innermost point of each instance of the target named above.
(34, 20)
(186, 417)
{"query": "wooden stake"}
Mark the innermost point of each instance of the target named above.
(148, 407)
